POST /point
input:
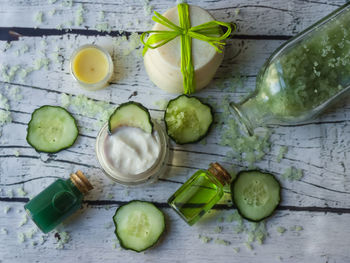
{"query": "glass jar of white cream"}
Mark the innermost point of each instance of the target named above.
(131, 156)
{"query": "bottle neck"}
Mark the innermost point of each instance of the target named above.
(250, 114)
(79, 180)
(218, 172)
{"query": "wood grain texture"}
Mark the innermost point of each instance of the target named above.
(92, 240)
(319, 147)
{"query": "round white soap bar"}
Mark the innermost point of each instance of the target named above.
(163, 64)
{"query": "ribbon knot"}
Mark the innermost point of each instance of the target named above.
(209, 32)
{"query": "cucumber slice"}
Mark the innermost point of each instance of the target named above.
(51, 129)
(138, 225)
(131, 114)
(255, 194)
(187, 119)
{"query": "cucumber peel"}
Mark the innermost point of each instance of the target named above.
(187, 119)
(138, 225)
(255, 194)
(51, 129)
(132, 114)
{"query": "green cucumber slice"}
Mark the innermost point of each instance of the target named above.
(255, 194)
(132, 114)
(138, 225)
(187, 119)
(51, 129)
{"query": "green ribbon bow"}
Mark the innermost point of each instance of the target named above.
(207, 32)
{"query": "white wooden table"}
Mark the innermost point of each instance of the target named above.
(319, 202)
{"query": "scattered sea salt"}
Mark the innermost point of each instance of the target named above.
(248, 246)
(5, 114)
(250, 149)
(20, 237)
(205, 239)
(101, 15)
(10, 193)
(9, 73)
(38, 17)
(161, 104)
(42, 239)
(222, 242)
(67, 3)
(24, 220)
(7, 209)
(79, 19)
(85, 106)
(31, 233)
(7, 46)
(41, 62)
(59, 27)
(147, 8)
(4, 231)
(21, 192)
(292, 174)
(103, 27)
(296, 228)
(281, 229)
(68, 25)
(52, 12)
(24, 49)
(63, 239)
(65, 100)
(282, 151)
(218, 229)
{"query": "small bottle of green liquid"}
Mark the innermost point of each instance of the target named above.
(58, 201)
(200, 193)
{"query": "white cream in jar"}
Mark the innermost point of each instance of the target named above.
(131, 156)
(131, 151)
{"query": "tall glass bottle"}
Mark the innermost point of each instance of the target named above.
(302, 77)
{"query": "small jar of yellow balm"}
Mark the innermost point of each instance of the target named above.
(91, 66)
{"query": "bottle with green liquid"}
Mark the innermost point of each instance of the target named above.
(200, 193)
(302, 77)
(58, 201)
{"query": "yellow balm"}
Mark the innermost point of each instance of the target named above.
(91, 66)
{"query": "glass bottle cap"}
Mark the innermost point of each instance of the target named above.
(220, 173)
(81, 182)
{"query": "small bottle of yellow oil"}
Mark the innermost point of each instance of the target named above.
(200, 193)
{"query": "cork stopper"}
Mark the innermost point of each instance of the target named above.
(81, 182)
(220, 173)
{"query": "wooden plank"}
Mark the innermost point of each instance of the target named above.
(254, 18)
(92, 239)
